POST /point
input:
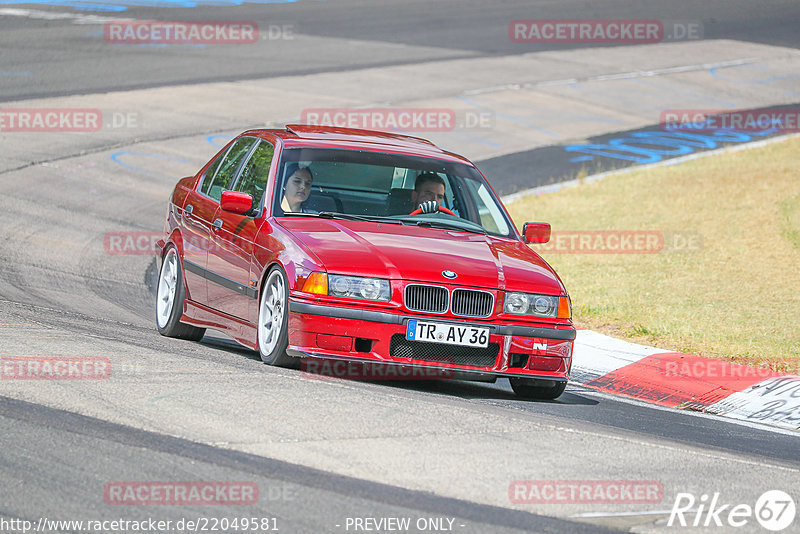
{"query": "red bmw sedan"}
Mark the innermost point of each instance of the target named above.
(328, 243)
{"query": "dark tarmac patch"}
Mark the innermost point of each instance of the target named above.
(653, 144)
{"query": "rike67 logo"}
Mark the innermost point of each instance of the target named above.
(774, 510)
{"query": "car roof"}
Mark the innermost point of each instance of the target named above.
(295, 135)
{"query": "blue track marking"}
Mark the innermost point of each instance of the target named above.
(116, 156)
(654, 145)
(219, 141)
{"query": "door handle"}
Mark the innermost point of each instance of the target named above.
(188, 210)
(217, 224)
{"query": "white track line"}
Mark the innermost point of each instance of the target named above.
(77, 18)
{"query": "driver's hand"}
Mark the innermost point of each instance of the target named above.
(429, 206)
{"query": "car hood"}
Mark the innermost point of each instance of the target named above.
(421, 254)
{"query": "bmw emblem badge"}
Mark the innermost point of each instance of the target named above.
(449, 274)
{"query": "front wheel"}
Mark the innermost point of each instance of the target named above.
(273, 320)
(531, 388)
(170, 296)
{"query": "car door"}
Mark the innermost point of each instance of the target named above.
(198, 212)
(234, 235)
(201, 206)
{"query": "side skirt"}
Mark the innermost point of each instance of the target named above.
(199, 315)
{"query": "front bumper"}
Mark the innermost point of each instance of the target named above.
(343, 333)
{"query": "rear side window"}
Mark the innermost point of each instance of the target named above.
(228, 167)
(254, 175)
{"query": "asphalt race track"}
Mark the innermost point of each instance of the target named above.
(394, 33)
(324, 452)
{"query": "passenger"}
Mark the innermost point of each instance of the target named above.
(297, 189)
(429, 186)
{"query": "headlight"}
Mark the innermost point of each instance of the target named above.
(356, 287)
(539, 305)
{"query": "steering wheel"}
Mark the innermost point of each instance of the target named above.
(438, 208)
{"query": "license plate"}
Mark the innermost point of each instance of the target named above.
(450, 334)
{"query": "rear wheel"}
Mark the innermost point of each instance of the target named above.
(273, 320)
(170, 296)
(531, 388)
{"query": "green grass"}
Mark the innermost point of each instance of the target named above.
(790, 212)
(737, 297)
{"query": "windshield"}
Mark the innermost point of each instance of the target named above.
(380, 186)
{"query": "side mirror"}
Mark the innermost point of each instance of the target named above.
(236, 202)
(533, 232)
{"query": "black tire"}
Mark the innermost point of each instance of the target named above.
(531, 388)
(173, 327)
(273, 305)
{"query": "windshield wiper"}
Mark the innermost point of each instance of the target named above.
(349, 217)
(450, 226)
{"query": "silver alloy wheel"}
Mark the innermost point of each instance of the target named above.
(271, 313)
(167, 287)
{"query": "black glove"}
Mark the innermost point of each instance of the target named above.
(430, 206)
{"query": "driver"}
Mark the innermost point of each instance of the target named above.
(297, 189)
(428, 187)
